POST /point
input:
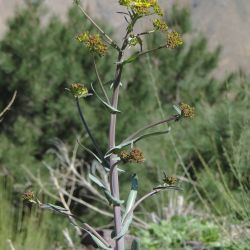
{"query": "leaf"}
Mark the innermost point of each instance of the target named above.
(116, 149)
(112, 84)
(128, 215)
(90, 151)
(132, 196)
(112, 199)
(54, 207)
(178, 110)
(57, 209)
(119, 170)
(151, 134)
(168, 187)
(111, 109)
(98, 242)
(96, 181)
(125, 227)
(131, 58)
(135, 244)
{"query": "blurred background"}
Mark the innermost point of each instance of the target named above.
(40, 57)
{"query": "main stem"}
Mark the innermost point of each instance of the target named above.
(114, 186)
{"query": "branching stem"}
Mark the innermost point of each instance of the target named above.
(9, 105)
(172, 118)
(114, 184)
(100, 82)
(87, 129)
(110, 41)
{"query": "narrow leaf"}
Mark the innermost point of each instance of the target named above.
(132, 196)
(91, 152)
(168, 187)
(131, 58)
(98, 242)
(178, 110)
(96, 181)
(111, 109)
(128, 215)
(54, 207)
(112, 199)
(125, 227)
(116, 149)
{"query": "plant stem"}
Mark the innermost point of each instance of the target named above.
(110, 41)
(114, 185)
(87, 129)
(145, 33)
(111, 173)
(100, 82)
(9, 105)
(137, 55)
(153, 192)
(172, 118)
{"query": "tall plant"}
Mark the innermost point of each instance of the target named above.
(116, 154)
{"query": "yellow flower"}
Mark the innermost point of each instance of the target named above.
(160, 25)
(169, 180)
(157, 10)
(134, 40)
(78, 90)
(124, 2)
(124, 155)
(94, 43)
(141, 10)
(28, 196)
(133, 156)
(187, 111)
(142, 7)
(174, 40)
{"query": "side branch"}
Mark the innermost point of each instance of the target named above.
(172, 118)
(153, 192)
(9, 105)
(100, 82)
(110, 41)
(88, 130)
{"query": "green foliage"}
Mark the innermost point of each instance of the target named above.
(219, 131)
(181, 232)
(19, 224)
(40, 62)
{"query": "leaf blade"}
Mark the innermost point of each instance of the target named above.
(110, 108)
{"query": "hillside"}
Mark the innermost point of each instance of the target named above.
(224, 22)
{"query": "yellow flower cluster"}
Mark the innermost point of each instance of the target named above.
(187, 111)
(133, 156)
(160, 25)
(143, 7)
(28, 196)
(94, 43)
(134, 40)
(170, 180)
(78, 90)
(174, 40)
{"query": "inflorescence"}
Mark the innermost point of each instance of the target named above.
(133, 156)
(94, 43)
(78, 90)
(187, 111)
(143, 7)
